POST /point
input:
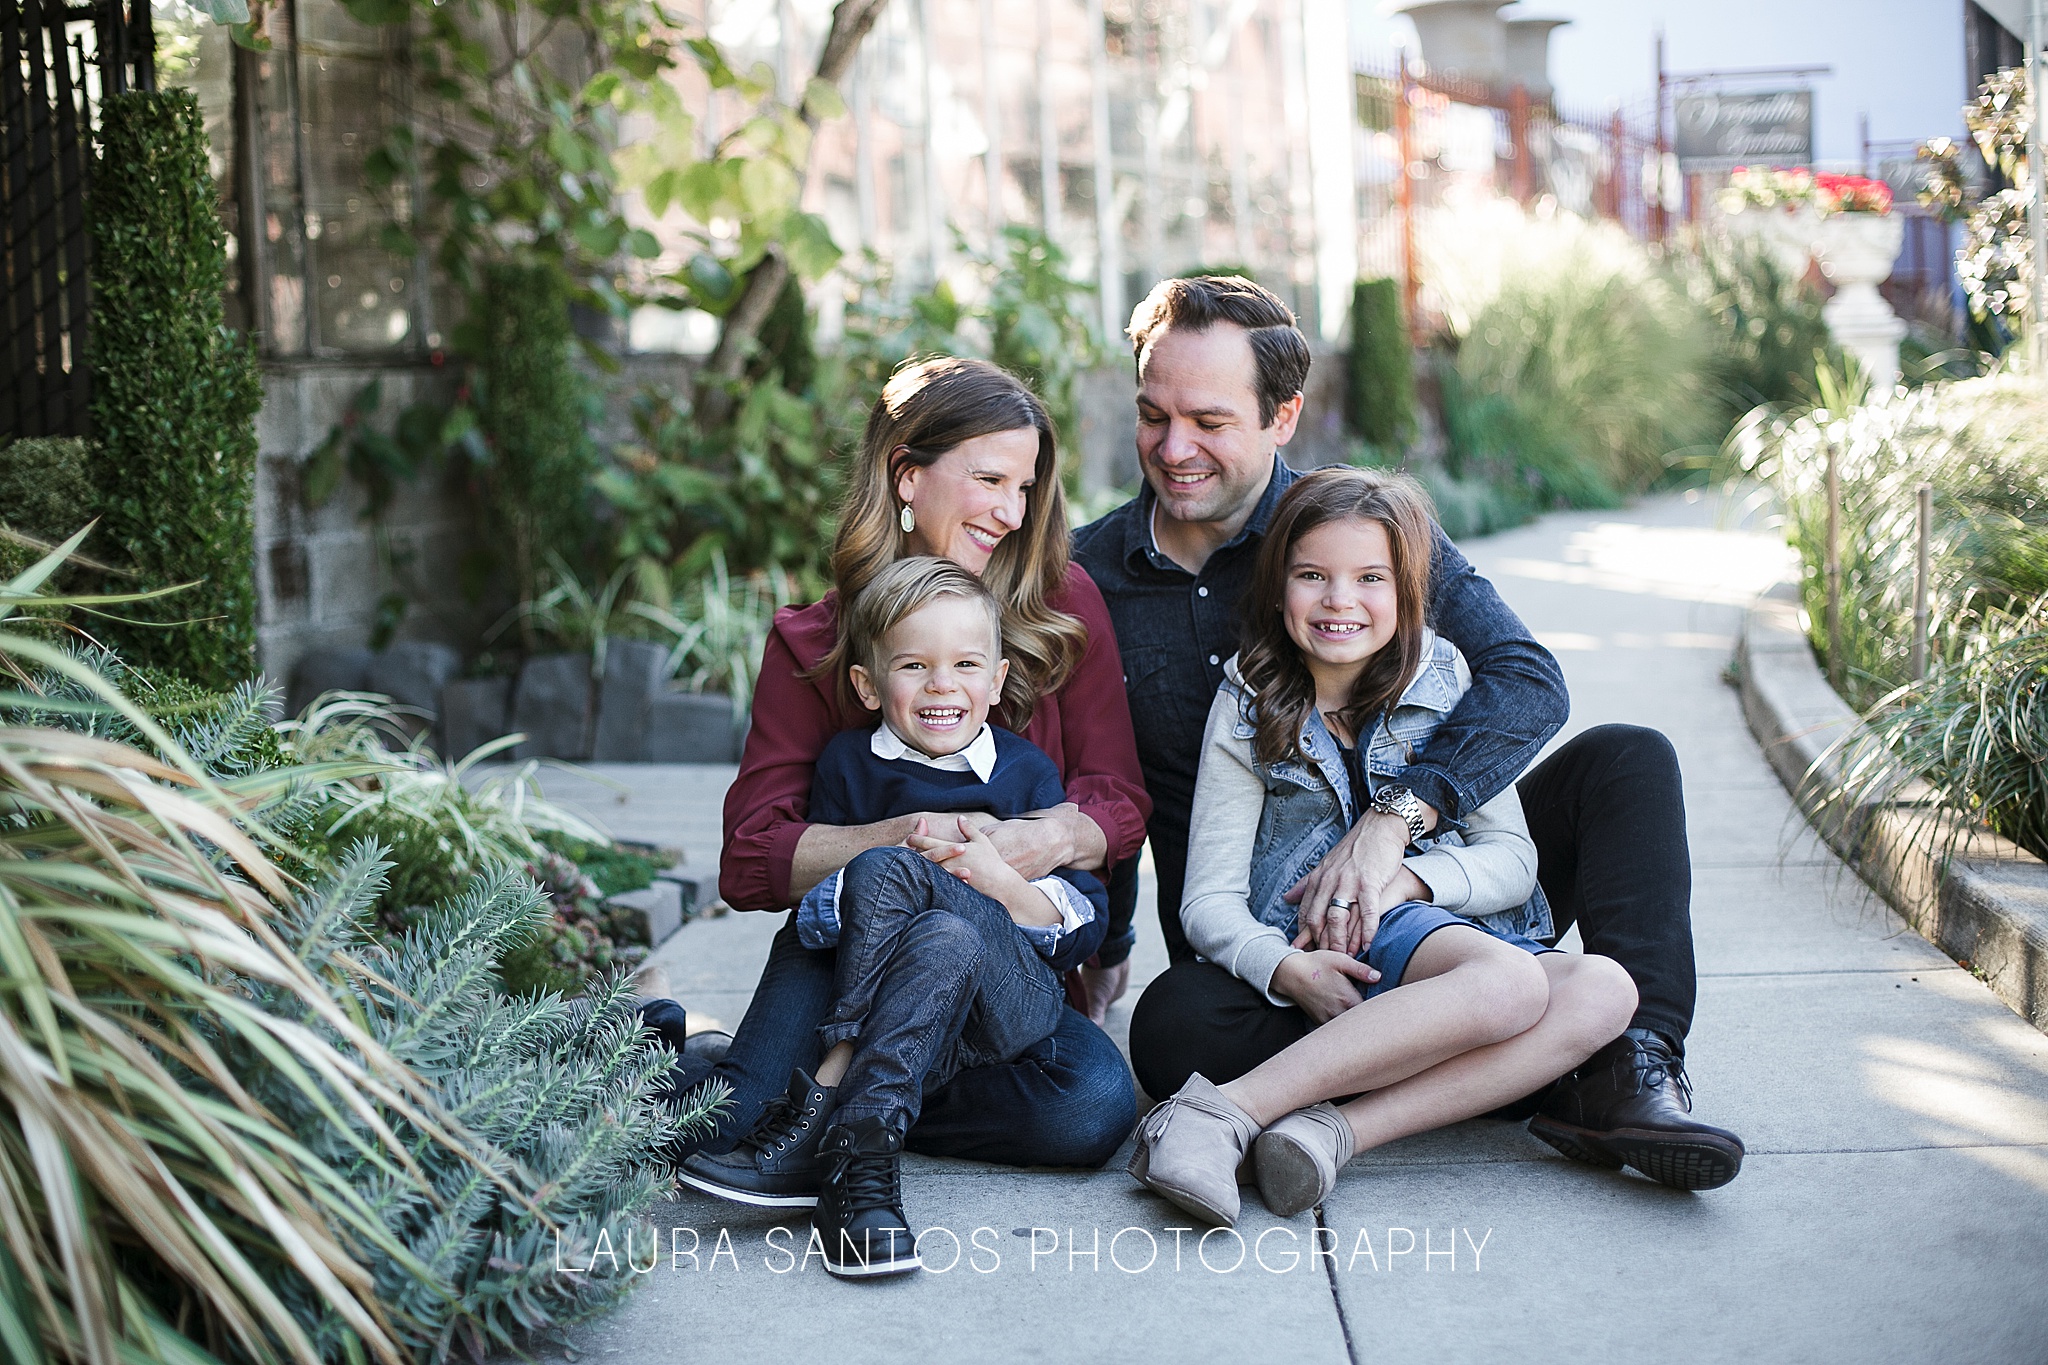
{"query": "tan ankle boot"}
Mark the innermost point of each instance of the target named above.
(1189, 1148)
(1299, 1156)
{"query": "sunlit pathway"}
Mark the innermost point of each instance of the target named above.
(1894, 1206)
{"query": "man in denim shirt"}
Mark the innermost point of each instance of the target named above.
(1220, 368)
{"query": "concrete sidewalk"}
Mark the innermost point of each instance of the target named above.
(1893, 1207)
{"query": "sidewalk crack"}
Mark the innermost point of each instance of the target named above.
(1336, 1299)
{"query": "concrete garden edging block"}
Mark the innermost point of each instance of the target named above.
(474, 712)
(1990, 910)
(633, 678)
(551, 706)
(692, 727)
(633, 714)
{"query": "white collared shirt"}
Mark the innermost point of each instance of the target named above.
(978, 757)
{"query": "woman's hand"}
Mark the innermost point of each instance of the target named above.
(1323, 983)
(1351, 931)
(973, 858)
(1037, 844)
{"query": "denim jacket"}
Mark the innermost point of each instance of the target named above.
(1258, 828)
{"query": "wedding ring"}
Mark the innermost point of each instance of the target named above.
(1339, 903)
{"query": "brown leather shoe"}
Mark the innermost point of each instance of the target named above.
(1630, 1105)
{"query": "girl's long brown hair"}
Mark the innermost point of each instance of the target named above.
(1269, 660)
(927, 408)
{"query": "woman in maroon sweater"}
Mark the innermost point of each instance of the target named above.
(959, 460)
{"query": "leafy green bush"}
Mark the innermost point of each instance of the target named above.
(581, 940)
(1605, 357)
(1380, 398)
(1609, 364)
(718, 627)
(532, 409)
(760, 492)
(1039, 322)
(174, 394)
(1021, 309)
(611, 868)
(46, 493)
(441, 829)
(557, 1100)
(1981, 444)
(1523, 450)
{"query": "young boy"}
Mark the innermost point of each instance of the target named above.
(926, 641)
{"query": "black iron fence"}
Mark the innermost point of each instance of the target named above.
(57, 63)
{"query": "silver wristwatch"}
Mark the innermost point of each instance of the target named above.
(1402, 802)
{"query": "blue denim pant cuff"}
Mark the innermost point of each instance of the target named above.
(892, 1116)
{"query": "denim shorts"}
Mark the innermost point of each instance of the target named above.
(1402, 930)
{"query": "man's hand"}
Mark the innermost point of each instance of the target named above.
(1360, 869)
(1323, 983)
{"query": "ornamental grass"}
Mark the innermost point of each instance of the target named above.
(234, 1126)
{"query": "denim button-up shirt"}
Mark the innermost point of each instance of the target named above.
(1176, 628)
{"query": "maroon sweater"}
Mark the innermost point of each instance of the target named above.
(1085, 727)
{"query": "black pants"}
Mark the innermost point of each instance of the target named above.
(1607, 812)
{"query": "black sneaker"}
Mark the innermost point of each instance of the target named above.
(776, 1165)
(860, 1211)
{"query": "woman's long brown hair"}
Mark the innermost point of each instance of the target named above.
(927, 408)
(1270, 662)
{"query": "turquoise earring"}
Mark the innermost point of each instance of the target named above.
(907, 520)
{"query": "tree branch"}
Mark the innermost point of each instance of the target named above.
(742, 325)
(851, 22)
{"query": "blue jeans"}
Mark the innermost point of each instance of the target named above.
(932, 977)
(1066, 1100)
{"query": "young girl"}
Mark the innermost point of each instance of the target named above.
(1338, 683)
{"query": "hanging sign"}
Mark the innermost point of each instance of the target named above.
(1718, 131)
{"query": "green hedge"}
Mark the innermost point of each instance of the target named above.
(532, 408)
(1380, 399)
(174, 395)
(46, 491)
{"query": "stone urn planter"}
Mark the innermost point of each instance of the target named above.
(1856, 251)
(1788, 234)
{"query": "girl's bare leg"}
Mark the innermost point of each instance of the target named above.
(1591, 1002)
(1463, 989)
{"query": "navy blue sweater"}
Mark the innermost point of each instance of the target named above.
(853, 786)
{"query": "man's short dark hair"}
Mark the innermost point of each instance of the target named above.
(1279, 350)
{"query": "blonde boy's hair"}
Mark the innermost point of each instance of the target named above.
(909, 585)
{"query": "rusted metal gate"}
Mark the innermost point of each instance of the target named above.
(57, 63)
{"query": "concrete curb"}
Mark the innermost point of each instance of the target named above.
(1990, 911)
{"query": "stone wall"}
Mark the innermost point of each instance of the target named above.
(321, 572)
